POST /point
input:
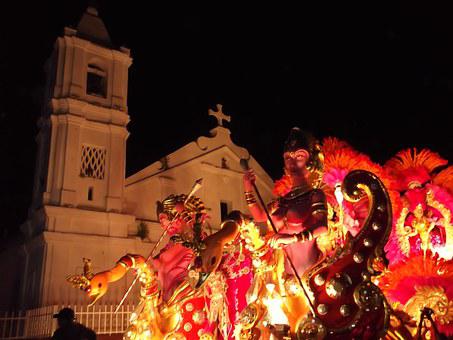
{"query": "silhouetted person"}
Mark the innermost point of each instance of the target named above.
(427, 314)
(68, 329)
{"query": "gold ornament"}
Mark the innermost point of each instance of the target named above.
(433, 297)
(402, 232)
(334, 288)
(82, 281)
(206, 336)
(187, 326)
(368, 296)
(345, 310)
(199, 317)
(423, 224)
(310, 328)
(249, 316)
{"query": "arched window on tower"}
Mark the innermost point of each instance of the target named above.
(96, 81)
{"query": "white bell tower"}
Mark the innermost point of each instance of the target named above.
(78, 198)
(88, 117)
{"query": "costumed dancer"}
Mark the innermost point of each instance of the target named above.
(338, 290)
(420, 248)
(299, 214)
(177, 297)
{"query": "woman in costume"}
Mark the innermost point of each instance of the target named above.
(300, 211)
(299, 214)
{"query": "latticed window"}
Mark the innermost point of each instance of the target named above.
(93, 161)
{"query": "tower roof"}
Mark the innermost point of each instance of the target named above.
(92, 28)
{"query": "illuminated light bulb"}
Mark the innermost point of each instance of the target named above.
(294, 289)
(338, 194)
(270, 287)
(273, 302)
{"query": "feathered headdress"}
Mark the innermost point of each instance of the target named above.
(445, 179)
(193, 205)
(412, 158)
(412, 168)
(340, 159)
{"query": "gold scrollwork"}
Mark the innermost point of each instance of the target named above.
(249, 316)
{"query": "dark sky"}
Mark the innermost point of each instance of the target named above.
(380, 77)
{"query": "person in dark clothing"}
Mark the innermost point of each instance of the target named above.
(68, 329)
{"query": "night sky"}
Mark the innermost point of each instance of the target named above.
(379, 77)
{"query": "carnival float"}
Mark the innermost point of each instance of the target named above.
(348, 249)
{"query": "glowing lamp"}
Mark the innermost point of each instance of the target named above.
(338, 194)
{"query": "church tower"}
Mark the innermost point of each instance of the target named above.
(78, 198)
(83, 125)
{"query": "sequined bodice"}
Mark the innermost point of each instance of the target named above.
(292, 214)
(292, 210)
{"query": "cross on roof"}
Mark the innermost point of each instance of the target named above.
(219, 115)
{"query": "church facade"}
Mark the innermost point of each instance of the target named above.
(83, 205)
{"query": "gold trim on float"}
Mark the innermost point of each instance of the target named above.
(369, 228)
